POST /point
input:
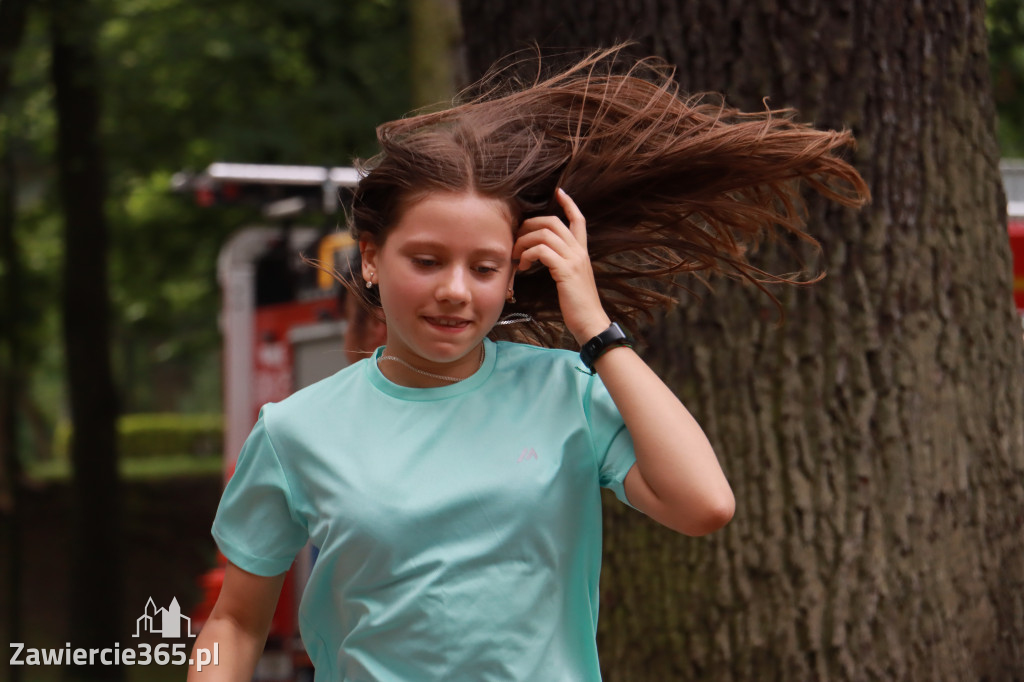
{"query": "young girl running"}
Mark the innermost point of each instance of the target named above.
(451, 481)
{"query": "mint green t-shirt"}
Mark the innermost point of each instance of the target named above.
(459, 527)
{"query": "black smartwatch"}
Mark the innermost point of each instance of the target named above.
(612, 337)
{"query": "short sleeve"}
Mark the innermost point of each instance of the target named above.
(256, 526)
(612, 441)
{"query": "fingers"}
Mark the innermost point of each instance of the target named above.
(577, 223)
(542, 253)
(566, 242)
(546, 223)
(561, 247)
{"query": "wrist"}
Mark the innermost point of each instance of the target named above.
(591, 328)
(613, 336)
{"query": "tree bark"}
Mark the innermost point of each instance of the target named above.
(96, 554)
(875, 441)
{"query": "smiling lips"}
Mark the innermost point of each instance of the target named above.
(448, 322)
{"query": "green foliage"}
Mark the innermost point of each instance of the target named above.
(186, 83)
(191, 82)
(296, 81)
(1006, 63)
(148, 436)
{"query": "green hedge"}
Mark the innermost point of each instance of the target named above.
(136, 469)
(141, 436)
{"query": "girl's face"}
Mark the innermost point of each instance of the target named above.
(443, 272)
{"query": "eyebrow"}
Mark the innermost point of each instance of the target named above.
(487, 251)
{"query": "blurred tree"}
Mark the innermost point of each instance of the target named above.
(876, 441)
(280, 81)
(188, 82)
(438, 70)
(96, 557)
(12, 26)
(13, 14)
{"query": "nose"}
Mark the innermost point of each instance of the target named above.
(453, 286)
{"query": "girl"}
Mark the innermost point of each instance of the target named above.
(451, 481)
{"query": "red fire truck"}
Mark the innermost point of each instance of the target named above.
(1016, 226)
(282, 329)
(1013, 180)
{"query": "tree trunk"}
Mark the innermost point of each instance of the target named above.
(875, 441)
(12, 393)
(13, 15)
(437, 68)
(96, 555)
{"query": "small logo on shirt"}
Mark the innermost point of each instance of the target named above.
(527, 453)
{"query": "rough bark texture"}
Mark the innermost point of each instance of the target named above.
(875, 441)
(96, 556)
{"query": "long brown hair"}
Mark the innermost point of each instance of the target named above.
(669, 184)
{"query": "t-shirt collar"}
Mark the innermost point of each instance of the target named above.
(470, 383)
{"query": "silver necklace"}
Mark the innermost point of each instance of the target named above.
(441, 377)
(513, 318)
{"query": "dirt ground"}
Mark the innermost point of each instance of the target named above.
(167, 544)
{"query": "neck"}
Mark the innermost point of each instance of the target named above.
(415, 375)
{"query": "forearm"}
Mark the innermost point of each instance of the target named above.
(238, 651)
(237, 628)
(681, 483)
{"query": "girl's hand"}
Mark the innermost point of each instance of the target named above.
(547, 240)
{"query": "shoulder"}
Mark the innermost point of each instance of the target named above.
(526, 364)
(528, 359)
(319, 400)
(510, 352)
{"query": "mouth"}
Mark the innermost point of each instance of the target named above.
(452, 323)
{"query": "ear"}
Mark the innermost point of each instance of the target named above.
(368, 251)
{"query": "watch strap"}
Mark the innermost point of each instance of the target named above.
(612, 337)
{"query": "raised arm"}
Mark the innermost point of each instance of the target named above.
(677, 479)
(238, 626)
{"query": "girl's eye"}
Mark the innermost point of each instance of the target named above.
(486, 269)
(424, 262)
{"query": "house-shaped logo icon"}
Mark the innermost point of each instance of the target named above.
(165, 622)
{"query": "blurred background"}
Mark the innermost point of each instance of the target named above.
(165, 164)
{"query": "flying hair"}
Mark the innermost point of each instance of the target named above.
(673, 187)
